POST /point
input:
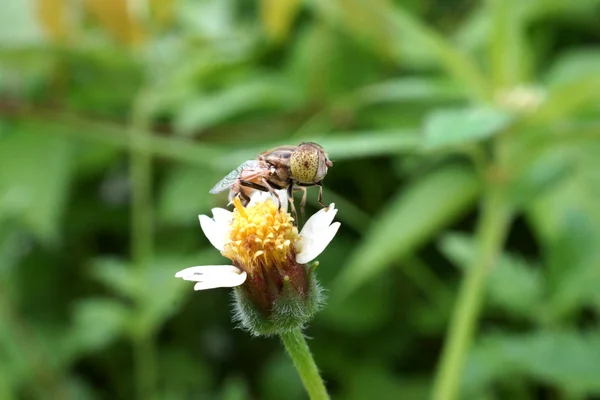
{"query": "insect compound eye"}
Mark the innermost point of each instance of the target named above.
(304, 163)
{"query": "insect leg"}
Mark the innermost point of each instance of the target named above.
(303, 201)
(290, 191)
(245, 198)
(270, 189)
(320, 198)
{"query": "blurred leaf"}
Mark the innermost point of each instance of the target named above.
(566, 359)
(577, 193)
(185, 195)
(35, 191)
(159, 277)
(97, 323)
(182, 374)
(116, 274)
(542, 173)
(277, 17)
(513, 284)
(412, 218)
(328, 65)
(6, 384)
(79, 389)
(254, 95)
(142, 285)
(235, 389)
(388, 25)
(93, 160)
(461, 126)
(456, 63)
(373, 380)
(374, 303)
(411, 88)
(279, 376)
(569, 98)
(572, 65)
(574, 266)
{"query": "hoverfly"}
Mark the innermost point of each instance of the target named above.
(284, 167)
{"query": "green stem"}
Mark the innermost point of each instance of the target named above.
(305, 364)
(491, 233)
(142, 240)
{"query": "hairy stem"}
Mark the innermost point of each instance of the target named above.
(491, 232)
(298, 350)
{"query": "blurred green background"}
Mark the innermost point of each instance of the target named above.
(465, 137)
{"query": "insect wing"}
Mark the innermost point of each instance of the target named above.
(232, 177)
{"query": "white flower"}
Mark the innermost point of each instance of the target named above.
(258, 234)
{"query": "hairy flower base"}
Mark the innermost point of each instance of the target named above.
(293, 308)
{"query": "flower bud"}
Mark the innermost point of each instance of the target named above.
(280, 300)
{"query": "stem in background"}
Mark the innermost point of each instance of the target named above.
(305, 364)
(142, 239)
(491, 234)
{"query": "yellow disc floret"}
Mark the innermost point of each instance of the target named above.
(260, 236)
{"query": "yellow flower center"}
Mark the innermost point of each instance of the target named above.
(260, 236)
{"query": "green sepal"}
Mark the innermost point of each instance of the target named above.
(291, 309)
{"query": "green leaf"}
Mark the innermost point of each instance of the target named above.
(569, 97)
(97, 323)
(279, 376)
(235, 388)
(250, 96)
(541, 173)
(461, 126)
(181, 372)
(185, 195)
(577, 193)
(566, 359)
(412, 88)
(513, 284)
(392, 28)
(117, 275)
(572, 65)
(373, 380)
(375, 303)
(573, 260)
(35, 172)
(159, 277)
(411, 219)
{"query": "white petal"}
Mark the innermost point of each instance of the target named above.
(222, 216)
(222, 280)
(213, 276)
(318, 221)
(212, 232)
(216, 229)
(198, 273)
(316, 234)
(314, 246)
